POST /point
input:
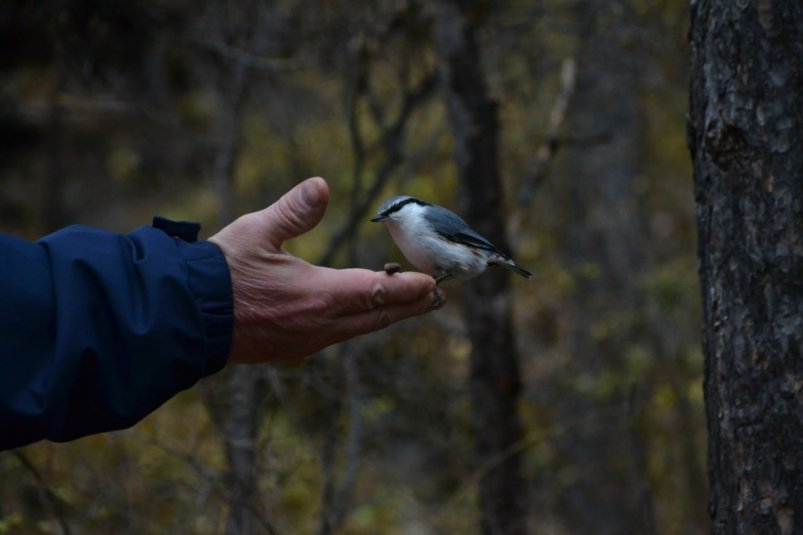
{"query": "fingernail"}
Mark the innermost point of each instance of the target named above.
(309, 194)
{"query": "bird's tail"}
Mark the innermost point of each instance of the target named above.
(514, 267)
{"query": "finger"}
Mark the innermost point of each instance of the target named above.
(381, 317)
(360, 290)
(298, 211)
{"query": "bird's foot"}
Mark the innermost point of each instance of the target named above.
(437, 303)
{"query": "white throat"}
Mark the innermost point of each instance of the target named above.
(414, 236)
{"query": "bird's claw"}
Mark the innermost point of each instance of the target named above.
(437, 303)
(440, 278)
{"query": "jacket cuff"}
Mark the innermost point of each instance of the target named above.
(209, 281)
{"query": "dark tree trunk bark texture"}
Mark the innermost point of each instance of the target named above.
(495, 381)
(746, 138)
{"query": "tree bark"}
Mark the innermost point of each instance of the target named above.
(745, 136)
(495, 382)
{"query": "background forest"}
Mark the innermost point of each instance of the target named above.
(112, 112)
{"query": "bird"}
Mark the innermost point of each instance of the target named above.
(438, 242)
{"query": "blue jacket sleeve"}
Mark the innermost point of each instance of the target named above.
(99, 329)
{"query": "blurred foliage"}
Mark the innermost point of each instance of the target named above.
(113, 112)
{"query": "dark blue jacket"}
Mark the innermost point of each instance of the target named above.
(99, 329)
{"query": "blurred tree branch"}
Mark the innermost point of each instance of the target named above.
(546, 151)
(209, 475)
(390, 137)
(246, 58)
(50, 499)
(336, 494)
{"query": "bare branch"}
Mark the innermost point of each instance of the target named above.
(49, 498)
(472, 481)
(336, 495)
(391, 139)
(209, 475)
(354, 440)
(249, 59)
(548, 148)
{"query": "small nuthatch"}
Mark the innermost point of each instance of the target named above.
(438, 242)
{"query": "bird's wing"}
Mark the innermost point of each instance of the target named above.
(472, 239)
(452, 227)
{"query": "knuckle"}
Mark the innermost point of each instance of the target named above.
(378, 296)
(290, 218)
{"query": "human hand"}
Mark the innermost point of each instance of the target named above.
(285, 308)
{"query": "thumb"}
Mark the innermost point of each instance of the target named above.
(298, 211)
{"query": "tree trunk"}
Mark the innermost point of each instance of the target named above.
(745, 135)
(495, 382)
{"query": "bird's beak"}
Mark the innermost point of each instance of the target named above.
(379, 219)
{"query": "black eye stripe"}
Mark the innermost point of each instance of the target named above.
(399, 205)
